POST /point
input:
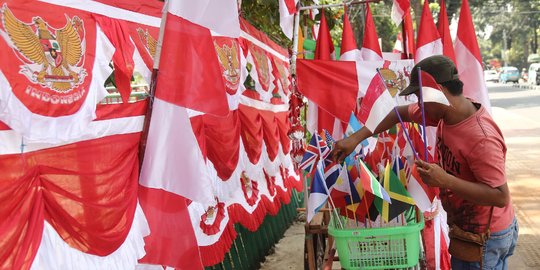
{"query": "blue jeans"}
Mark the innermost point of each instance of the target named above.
(499, 247)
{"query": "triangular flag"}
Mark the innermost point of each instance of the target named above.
(399, 8)
(469, 60)
(349, 50)
(444, 33)
(371, 51)
(428, 42)
(287, 9)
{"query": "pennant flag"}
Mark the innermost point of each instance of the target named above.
(318, 193)
(377, 103)
(401, 200)
(287, 9)
(408, 42)
(444, 33)
(192, 66)
(469, 60)
(370, 183)
(399, 8)
(431, 91)
(324, 50)
(371, 51)
(428, 42)
(349, 50)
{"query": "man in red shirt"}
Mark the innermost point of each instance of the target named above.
(471, 156)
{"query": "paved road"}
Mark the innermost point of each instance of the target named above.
(517, 111)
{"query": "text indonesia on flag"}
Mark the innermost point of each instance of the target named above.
(469, 60)
(186, 79)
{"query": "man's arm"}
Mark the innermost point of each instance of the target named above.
(344, 147)
(476, 192)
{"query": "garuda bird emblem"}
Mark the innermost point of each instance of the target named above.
(230, 64)
(149, 42)
(51, 57)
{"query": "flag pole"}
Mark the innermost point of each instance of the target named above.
(423, 113)
(401, 120)
(153, 82)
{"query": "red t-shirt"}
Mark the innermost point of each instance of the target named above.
(473, 150)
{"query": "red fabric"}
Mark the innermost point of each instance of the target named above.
(332, 85)
(466, 33)
(118, 33)
(251, 131)
(152, 8)
(427, 32)
(261, 66)
(197, 125)
(87, 191)
(261, 36)
(324, 47)
(428, 235)
(222, 142)
(409, 35)
(291, 6)
(282, 119)
(348, 43)
(118, 110)
(444, 32)
(371, 39)
(188, 77)
(41, 99)
(172, 240)
(271, 134)
(3, 126)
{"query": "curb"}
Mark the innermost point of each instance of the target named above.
(529, 86)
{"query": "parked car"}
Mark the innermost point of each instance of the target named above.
(534, 74)
(491, 75)
(509, 74)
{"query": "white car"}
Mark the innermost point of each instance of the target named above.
(491, 75)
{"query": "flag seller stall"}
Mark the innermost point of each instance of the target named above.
(381, 201)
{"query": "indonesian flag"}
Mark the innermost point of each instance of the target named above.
(287, 9)
(376, 104)
(192, 64)
(174, 167)
(399, 8)
(371, 50)
(317, 119)
(444, 32)
(428, 41)
(435, 235)
(469, 60)
(408, 42)
(349, 50)
(431, 91)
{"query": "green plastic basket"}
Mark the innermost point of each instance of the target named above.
(378, 248)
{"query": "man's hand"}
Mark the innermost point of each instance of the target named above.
(432, 174)
(343, 148)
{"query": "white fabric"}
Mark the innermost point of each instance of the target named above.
(109, 11)
(380, 109)
(312, 117)
(219, 16)
(352, 55)
(38, 128)
(10, 140)
(418, 194)
(265, 47)
(140, 66)
(55, 254)
(472, 75)
(433, 48)
(430, 94)
(173, 160)
(286, 20)
(260, 105)
(370, 55)
(397, 13)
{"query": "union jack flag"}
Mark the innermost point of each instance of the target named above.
(317, 148)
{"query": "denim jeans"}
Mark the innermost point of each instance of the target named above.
(498, 248)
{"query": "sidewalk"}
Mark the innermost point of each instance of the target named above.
(522, 136)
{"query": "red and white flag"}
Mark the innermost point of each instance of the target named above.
(428, 42)
(399, 8)
(317, 119)
(192, 63)
(376, 104)
(431, 91)
(349, 50)
(371, 51)
(444, 33)
(287, 9)
(469, 60)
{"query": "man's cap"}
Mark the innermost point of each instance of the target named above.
(440, 67)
